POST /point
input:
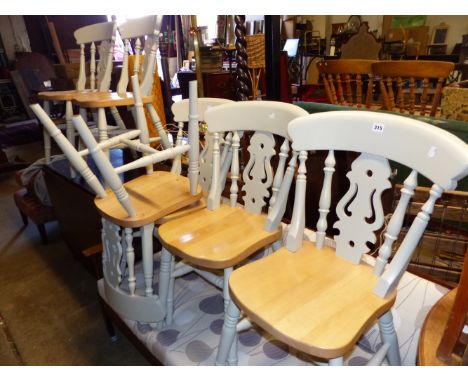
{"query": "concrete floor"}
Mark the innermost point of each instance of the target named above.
(49, 314)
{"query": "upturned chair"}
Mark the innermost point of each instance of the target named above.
(319, 296)
(99, 75)
(220, 236)
(348, 82)
(130, 207)
(412, 87)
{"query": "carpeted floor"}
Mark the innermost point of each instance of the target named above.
(48, 307)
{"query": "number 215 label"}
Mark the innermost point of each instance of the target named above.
(378, 127)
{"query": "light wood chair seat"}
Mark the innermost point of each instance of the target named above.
(198, 205)
(103, 100)
(312, 311)
(64, 95)
(153, 196)
(234, 234)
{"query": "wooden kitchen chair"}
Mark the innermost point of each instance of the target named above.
(319, 296)
(222, 235)
(412, 87)
(348, 82)
(130, 207)
(99, 75)
(134, 30)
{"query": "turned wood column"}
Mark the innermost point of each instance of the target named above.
(242, 84)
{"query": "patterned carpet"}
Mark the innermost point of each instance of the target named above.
(198, 318)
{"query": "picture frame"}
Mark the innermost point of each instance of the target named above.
(439, 34)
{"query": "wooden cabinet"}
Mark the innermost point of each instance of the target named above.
(219, 85)
(216, 85)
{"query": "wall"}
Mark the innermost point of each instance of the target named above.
(458, 26)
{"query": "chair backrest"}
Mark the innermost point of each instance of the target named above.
(413, 87)
(348, 81)
(147, 29)
(180, 110)
(104, 34)
(265, 120)
(434, 153)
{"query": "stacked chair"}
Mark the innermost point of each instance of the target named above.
(99, 75)
(133, 31)
(130, 209)
(318, 294)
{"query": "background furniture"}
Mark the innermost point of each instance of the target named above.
(412, 86)
(362, 45)
(215, 85)
(256, 64)
(31, 208)
(348, 81)
(454, 103)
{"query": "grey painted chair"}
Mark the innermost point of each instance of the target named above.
(217, 238)
(319, 296)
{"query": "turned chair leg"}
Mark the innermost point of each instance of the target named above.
(336, 362)
(388, 334)
(165, 280)
(228, 335)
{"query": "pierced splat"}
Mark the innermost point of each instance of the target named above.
(112, 252)
(360, 211)
(206, 168)
(258, 174)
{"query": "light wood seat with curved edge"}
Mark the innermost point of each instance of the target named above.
(221, 236)
(349, 82)
(412, 87)
(99, 76)
(319, 294)
(130, 209)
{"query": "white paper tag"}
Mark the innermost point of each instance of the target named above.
(378, 127)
